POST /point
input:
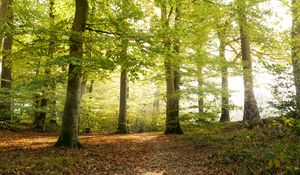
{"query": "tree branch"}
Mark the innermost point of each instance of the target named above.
(170, 13)
(103, 32)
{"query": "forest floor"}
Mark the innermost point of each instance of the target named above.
(228, 151)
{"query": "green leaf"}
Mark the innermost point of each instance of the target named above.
(276, 163)
(270, 164)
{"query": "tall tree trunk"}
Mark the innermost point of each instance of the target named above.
(122, 122)
(4, 11)
(296, 52)
(251, 111)
(200, 93)
(225, 117)
(69, 133)
(6, 73)
(176, 66)
(122, 126)
(172, 83)
(39, 123)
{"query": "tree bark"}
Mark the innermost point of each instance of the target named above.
(172, 83)
(6, 73)
(69, 133)
(176, 66)
(251, 111)
(4, 11)
(122, 125)
(225, 117)
(122, 122)
(296, 52)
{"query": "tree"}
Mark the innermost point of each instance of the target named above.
(251, 111)
(296, 52)
(225, 117)
(6, 71)
(197, 36)
(122, 125)
(176, 71)
(41, 114)
(122, 122)
(222, 32)
(69, 133)
(200, 93)
(172, 78)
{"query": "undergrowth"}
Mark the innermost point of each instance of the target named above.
(271, 149)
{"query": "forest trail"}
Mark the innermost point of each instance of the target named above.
(146, 153)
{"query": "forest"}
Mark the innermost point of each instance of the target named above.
(150, 87)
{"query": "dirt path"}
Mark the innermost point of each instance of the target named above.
(147, 154)
(169, 156)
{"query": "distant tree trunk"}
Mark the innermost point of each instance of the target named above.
(296, 52)
(172, 83)
(4, 10)
(225, 117)
(91, 86)
(69, 133)
(122, 125)
(39, 123)
(156, 104)
(156, 110)
(37, 96)
(6, 73)
(251, 111)
(83, 84)
(200, 93)
(40, 118)
(82, 92)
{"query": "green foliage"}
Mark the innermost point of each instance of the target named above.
(296, 126)
(100, 109)
(283, 157)
(129, 34)
(196, 121)
(283, 92)
(98, 121)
